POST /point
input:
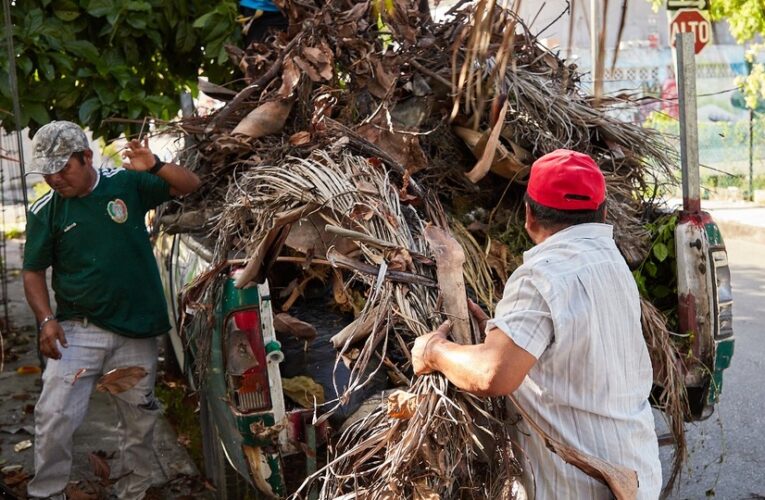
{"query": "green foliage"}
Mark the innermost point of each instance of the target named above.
(746, 18)
(39, 190)
(656, 277)
(88, 60)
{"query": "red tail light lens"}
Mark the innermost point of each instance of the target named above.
(247, 367)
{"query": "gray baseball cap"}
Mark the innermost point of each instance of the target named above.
(52, 146)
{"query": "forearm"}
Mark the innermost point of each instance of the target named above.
(464, 365)
(495, 367)
(36, 292)
(182, 180)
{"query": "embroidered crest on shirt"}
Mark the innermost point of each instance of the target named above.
(117, 210)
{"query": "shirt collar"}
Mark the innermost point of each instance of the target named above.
(578, 231)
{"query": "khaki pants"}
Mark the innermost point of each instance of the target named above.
(64, 402)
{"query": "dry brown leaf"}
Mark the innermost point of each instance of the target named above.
(15, 478)
(424, 492)
(267, 119)
(399, 259)
(404, 148)
(402, 404)
(382, 82)
(290, 325)
(307, 68)
(73, 492)
(290, 78)
(361, 211)
(300, 138)
(28, 370)
(99, 465)
(121, 379)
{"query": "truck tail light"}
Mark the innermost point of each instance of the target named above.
(247, 367)
(724, 295)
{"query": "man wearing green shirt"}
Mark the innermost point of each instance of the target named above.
(110, 307)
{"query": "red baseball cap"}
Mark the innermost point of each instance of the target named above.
(567, 180)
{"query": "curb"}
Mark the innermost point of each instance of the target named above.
(738, 231)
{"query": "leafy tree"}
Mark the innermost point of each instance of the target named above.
(88, 60)
(746, 19)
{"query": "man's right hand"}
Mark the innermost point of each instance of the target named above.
(50, 334)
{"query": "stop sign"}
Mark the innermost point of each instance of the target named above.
(691, 21)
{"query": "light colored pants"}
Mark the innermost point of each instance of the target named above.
(64, 402)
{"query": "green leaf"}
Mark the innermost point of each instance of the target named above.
(83, 49)
(100, 8)
(25, 65)
(660, 291)
(105, 92)
(63, 62)
(37, 112)
(651, 268)
(89, 110)
(205, 20)
(660, 251)
(46, 67)
(136, 22)
(66, 10)
(121, 74)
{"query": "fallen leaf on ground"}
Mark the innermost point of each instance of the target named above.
(8, 469)
(120, 379)
(22, 445)
(28, 370)
(73, 492)
(16, 477)
(99, 464)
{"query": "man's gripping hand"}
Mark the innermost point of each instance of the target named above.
(50, 334)
(423, 348)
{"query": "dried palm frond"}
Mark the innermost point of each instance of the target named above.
(668, 375)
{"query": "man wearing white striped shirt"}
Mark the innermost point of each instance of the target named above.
(566, 339)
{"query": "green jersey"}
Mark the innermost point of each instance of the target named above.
(103, 265)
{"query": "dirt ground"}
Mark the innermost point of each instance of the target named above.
(95, 443)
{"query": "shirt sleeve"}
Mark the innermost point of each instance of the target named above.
(38, 249)
(524, 315)
(152, 189)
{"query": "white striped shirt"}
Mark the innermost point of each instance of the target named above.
(574, 306)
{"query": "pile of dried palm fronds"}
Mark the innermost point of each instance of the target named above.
(360, 128)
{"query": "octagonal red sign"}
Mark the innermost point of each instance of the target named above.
(691, 21)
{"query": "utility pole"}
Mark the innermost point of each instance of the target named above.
(689, 133)
(596, 21)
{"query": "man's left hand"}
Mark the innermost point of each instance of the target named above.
(139, 156)
(423, 346)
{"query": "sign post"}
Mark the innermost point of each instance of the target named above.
(689, 138)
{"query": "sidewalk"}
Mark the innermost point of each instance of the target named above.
(741, 220)
(175, 475)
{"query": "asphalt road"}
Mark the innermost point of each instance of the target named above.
(727, 451)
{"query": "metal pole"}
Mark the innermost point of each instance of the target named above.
(13, 83)
(689, 132)
(595, 24)
(751, 154)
